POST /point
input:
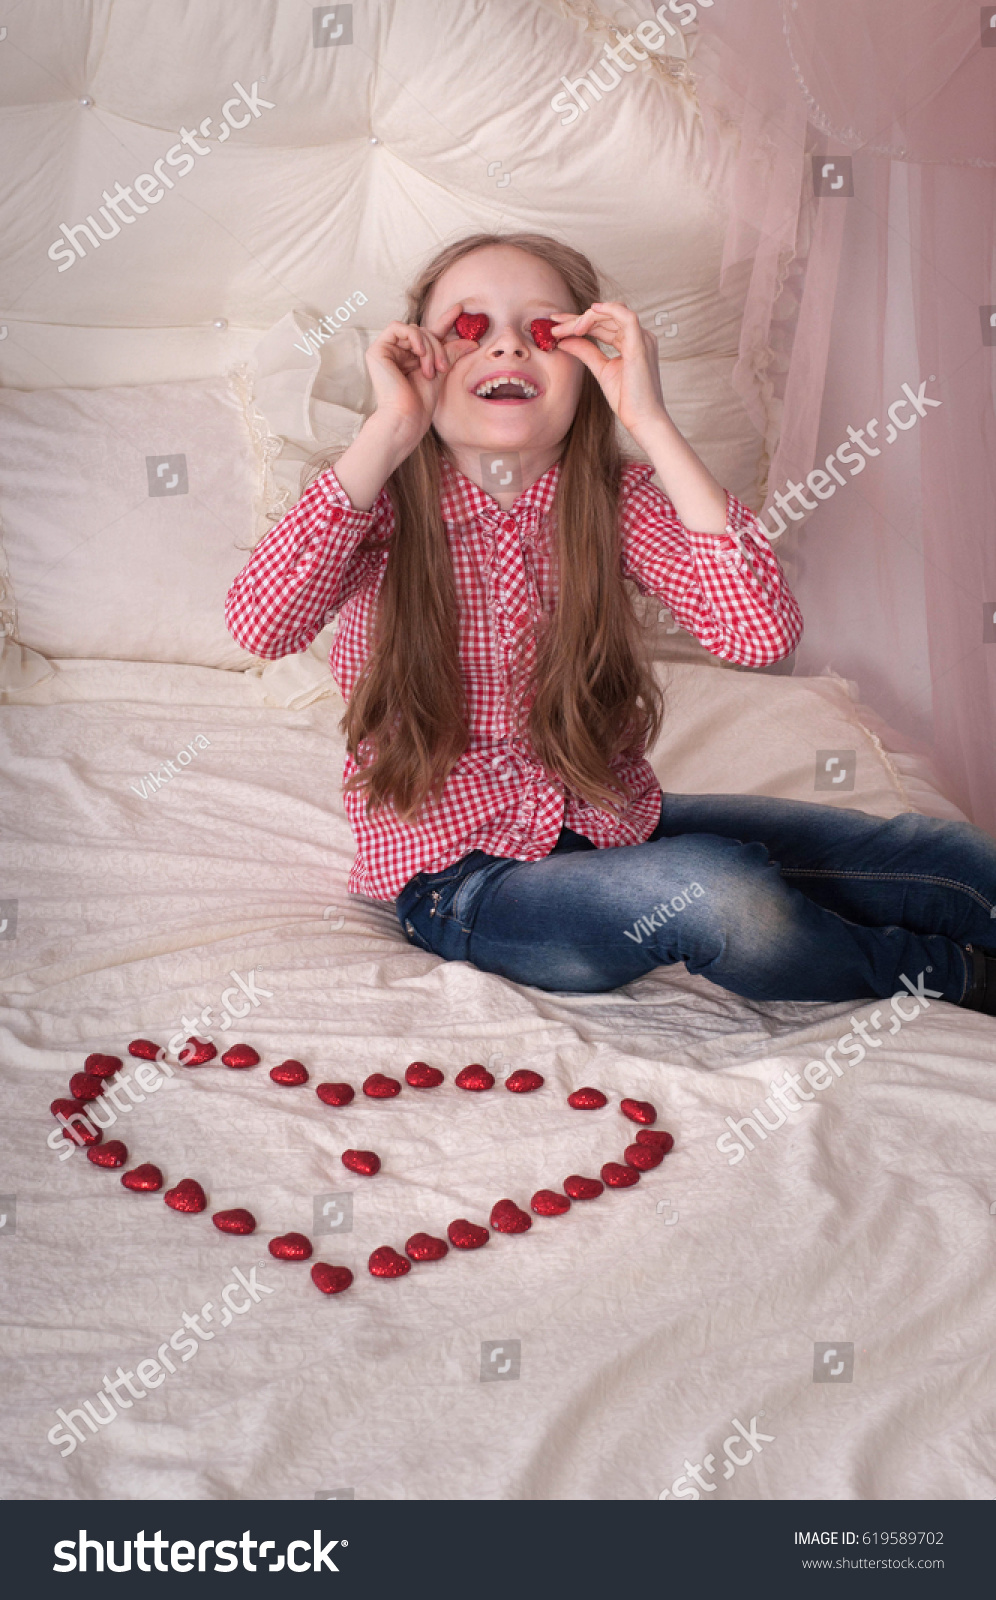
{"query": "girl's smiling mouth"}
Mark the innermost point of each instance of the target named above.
(512, 387)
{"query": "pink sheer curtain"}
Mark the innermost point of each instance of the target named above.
(850, 299)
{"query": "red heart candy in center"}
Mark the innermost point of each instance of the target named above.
(424, 1247)
(638, 1110)
(380, 1088)
(464, 1235)
(470, 324)
(475, 1077)
(196, 1052)
(331, 1280)
(548, 1203)
(657, 1137)
(365, 1162)
(290, 1247)
(85, 1086)
(507, 1217)
(386, 1263)
(582, 1188)
(335, 1094)
(187, 1196)
(289, 1073)
(145, 1179)
(643, 1156)
(524, 1081)
(541, 329)
(111, 1154)
(587, 1100)
(81, 1131)
(145, 1050)
(421, 1076)
(237, 1221)
(618, 1176)
(102, 1066)
(66, 1108)
(240, 1055)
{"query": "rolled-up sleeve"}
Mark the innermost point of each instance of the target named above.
(306, 568)
(726, 589)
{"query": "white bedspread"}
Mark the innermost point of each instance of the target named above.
(647, 1323)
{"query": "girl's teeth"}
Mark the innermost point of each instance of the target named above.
(484, 389)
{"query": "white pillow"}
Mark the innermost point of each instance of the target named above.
(126, 514)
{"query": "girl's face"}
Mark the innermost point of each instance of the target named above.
(510, 287)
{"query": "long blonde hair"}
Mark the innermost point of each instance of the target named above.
(591, 695)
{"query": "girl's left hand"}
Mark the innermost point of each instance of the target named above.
(631, 382)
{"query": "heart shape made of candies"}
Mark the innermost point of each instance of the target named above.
(648, 1150)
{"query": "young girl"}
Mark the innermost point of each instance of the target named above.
(474, 539)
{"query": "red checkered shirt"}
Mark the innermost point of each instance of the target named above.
(728, 590)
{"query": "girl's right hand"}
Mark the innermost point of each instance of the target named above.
(407, 365)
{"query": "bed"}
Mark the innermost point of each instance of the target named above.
(805, 1321)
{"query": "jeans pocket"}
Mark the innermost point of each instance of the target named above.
(415, 938)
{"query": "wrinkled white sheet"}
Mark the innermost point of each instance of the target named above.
(646, 1321)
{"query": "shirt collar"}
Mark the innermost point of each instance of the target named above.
(462, 501)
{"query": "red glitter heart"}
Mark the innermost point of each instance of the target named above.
(290, 1073)
(240, 1055)
(507, 1217)
(102, 1066)
(464, 1235)
(83, 1133)
(291, 1247)
(548, 1203)
(475, 1077)
(335, 1094)
(365, 1162)
(524, 1081)
(237, 1221)
(84, 1086)
(331, 1280)
(424, 1247)
(145, 1179)
(196, 1052)
(638, 1110)
(541, 329)
(657, 1137)
(65, 1108)
(643, 1156)
(380, 1088)
(470, 324)
(386, 1263)
(187, 1196)
(111, 1154)
(146, 1050)
(618, 1176)
(582, 1188)
(421, 1076)
(587, 1100)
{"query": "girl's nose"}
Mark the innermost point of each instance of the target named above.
(509, 343)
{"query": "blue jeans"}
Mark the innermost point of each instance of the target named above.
(772, 899)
